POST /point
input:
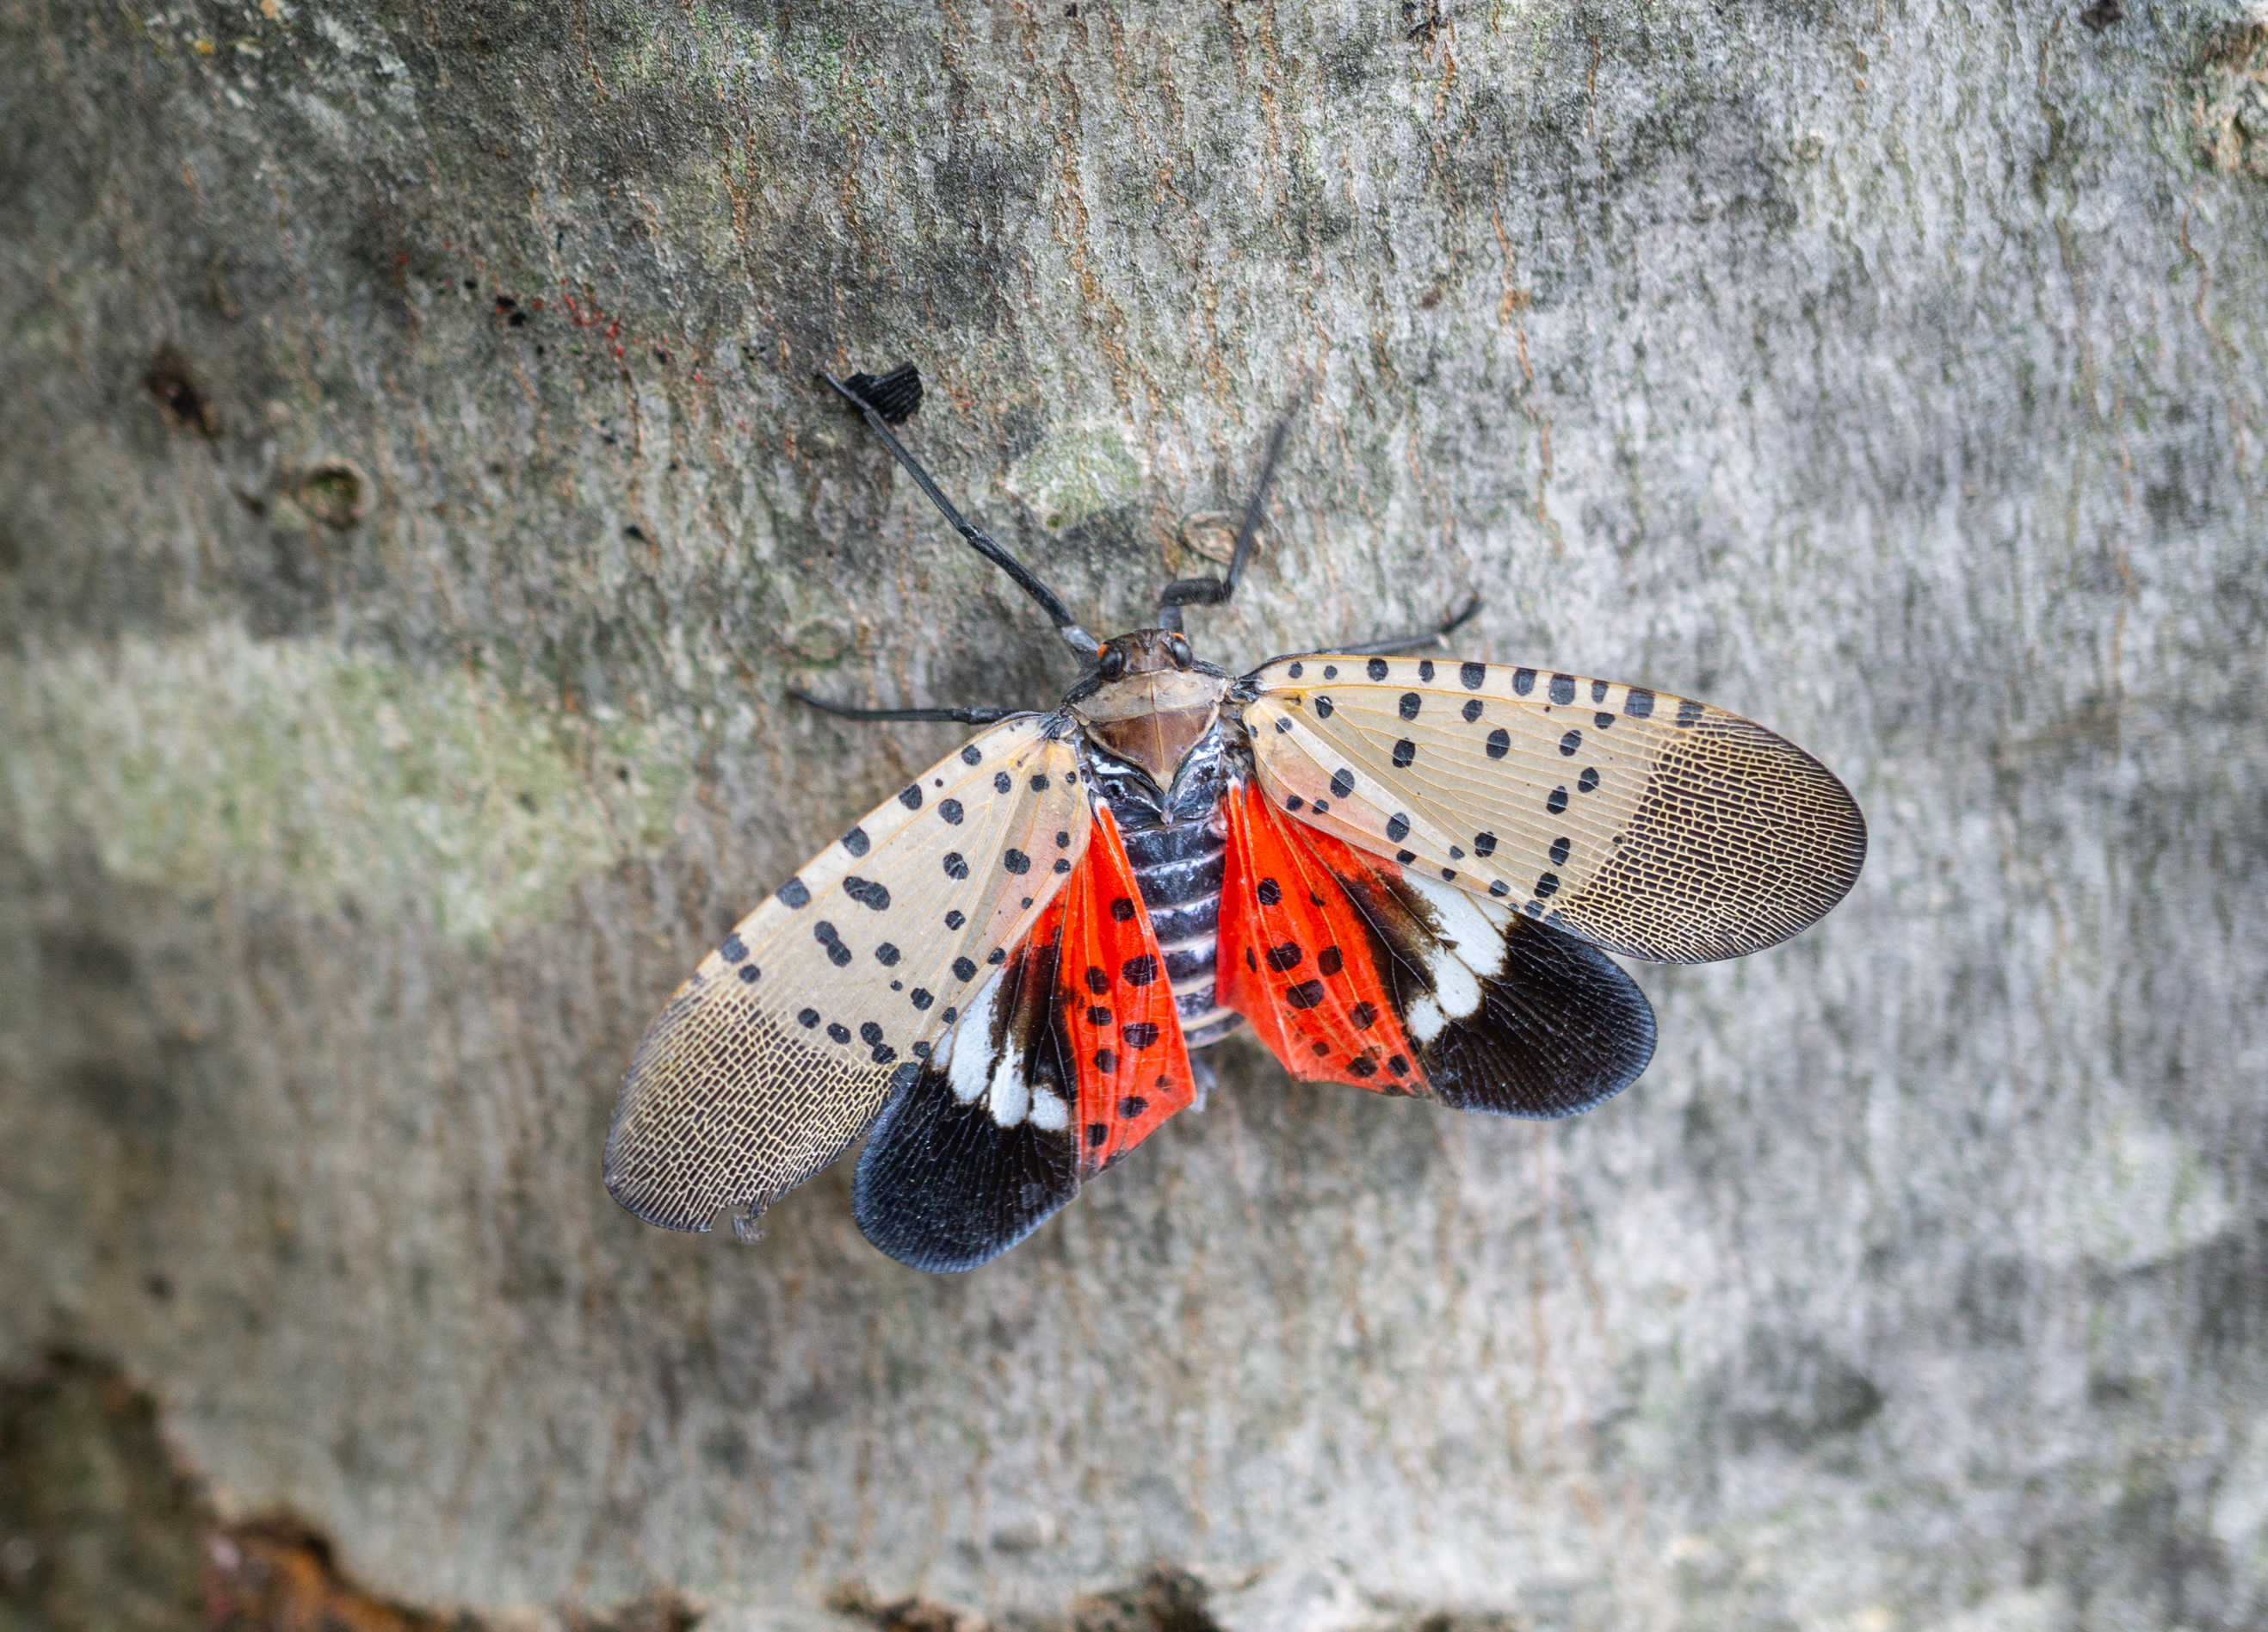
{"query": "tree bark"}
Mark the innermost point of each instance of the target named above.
(414, 497)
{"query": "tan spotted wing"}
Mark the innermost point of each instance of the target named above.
(1650, 825)
(778, 1051)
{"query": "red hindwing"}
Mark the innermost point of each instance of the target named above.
(1298, 960)
(1117, 1009)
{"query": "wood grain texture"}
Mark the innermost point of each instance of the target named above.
(414, 498)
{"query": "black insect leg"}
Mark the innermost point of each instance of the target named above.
(963, 717)
(982, 542)
(1380, 648)
(1411, 643)
(1213, 591)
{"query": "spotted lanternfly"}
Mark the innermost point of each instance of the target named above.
(1403, 873)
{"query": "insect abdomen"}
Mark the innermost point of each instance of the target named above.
(1177, 866)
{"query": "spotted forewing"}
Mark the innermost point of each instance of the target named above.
(1647, 824)
(780, 1048)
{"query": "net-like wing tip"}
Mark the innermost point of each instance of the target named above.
(651, 1209)
(893, 395)
(637, 1194)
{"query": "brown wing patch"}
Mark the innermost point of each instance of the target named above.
(780, 1048)
(1739, 840)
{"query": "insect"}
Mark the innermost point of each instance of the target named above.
(1403, 872)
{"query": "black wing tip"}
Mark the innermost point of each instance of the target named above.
(943, 1188)
(893, 395)
(936, 1240)
(899, 1233)
(1561, 1031)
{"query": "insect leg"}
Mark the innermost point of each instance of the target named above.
(982, 542)
(1411, 643)
(1213, 591)
(965, 716)
(1204, 1079)
(1380, 648)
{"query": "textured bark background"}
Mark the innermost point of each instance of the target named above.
(414, 499)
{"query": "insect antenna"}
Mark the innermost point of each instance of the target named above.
(1214, 592)
(963, 717)
(900, 390)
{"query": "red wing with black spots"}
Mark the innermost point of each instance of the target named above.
(1133, 1066)
(1351, 969)
(1298, 960)
(1068, 1056)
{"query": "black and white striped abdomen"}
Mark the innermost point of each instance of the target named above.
(1177, 866)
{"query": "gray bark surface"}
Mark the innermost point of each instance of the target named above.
(414, 499)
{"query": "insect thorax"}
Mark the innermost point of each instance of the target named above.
(1149, 702)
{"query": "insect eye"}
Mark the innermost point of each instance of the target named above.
(1113, 663)
(1178, 650)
